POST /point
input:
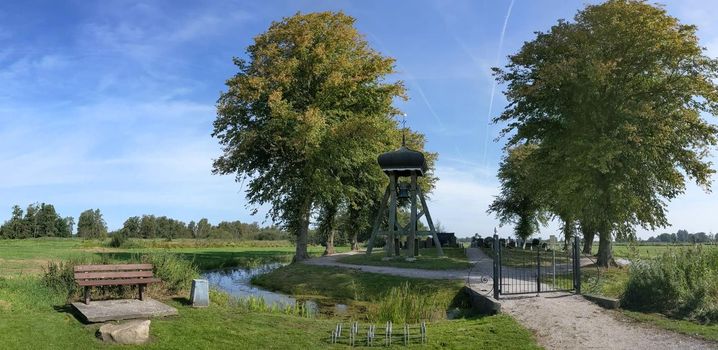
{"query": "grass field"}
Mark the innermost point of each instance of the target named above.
(29, 256)
(33, 316)
(454, 259)
(646, 251)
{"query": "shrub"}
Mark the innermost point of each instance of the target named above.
(176, 273)
(59, 277)
(118, 240)
(680, 283)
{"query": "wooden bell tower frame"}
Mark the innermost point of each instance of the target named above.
(403, 162)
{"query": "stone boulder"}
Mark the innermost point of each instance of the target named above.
(131, 332)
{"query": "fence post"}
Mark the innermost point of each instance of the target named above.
(497, 267)
(577, 264)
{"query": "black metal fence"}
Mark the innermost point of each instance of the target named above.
(537, 268)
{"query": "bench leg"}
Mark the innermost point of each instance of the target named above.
(142, 292)
(87, 295)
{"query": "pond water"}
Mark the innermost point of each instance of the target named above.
(237, 282)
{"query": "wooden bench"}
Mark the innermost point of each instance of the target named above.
(89, 276)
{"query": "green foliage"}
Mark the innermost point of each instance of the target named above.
(39, 220)
(60, 278)
(307, 109)
(91, 224)
(176, 273)
(27, 304)
(519, 202)
(613, 100)
(403, 304)
(258, 304)
(454, 259)
(681, 283)
(118, 240)
(347, 285)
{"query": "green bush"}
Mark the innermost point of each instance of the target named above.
(681, 283)
(118, 240)
(176, 273)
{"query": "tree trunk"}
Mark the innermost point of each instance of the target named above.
(588, 236)
(303, 233)
(355, 242)
(329, 248)
(353, 219)
(605, 254)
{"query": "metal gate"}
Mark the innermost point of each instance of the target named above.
(536, 269)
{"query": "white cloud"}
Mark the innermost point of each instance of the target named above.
(461, 198)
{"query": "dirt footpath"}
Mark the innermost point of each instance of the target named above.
(568, 321)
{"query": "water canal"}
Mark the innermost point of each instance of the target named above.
(237, 282)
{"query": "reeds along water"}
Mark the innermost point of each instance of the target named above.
(404, 304)
(258, 304)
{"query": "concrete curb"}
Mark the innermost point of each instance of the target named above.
(481, 303)
(604, 302)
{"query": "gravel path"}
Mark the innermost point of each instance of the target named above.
(568, 321)
(558, 320)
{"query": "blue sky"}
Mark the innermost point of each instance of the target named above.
(109, 104)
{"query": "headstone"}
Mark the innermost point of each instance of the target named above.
(132, 332)
(200, 293)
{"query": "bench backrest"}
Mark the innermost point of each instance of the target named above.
(119, 271)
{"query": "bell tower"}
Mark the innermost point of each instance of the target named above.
(402, 163)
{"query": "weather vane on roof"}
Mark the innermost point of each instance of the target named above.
(403, 129)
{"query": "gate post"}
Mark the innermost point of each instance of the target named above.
(577, 264)
(538, 269)
(497, 267)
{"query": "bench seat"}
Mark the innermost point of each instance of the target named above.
(89, 276)
(118, 282)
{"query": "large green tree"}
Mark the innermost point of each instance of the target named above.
(91, 224)
(519, 202)
(308, 103)
(614, 99)
(39, 220)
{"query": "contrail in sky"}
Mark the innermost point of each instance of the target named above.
(493, 86)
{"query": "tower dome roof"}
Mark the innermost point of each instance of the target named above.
(403, 162)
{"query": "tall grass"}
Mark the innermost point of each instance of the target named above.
(258, 304)
(176, 275)
(680, 283)
(403, 304)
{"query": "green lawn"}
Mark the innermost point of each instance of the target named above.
(517, 257)
(29, 256)
(35, 317)
(454, 259)
(345, 284)
(709, 332)
(32, 317)
(646, 251)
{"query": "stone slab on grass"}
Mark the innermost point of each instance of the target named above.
(130, 332)
(122, 309)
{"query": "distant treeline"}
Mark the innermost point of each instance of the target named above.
(41, 220)
(682, 236)
(150, 226)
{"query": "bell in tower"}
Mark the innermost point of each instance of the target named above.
(402, 163)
